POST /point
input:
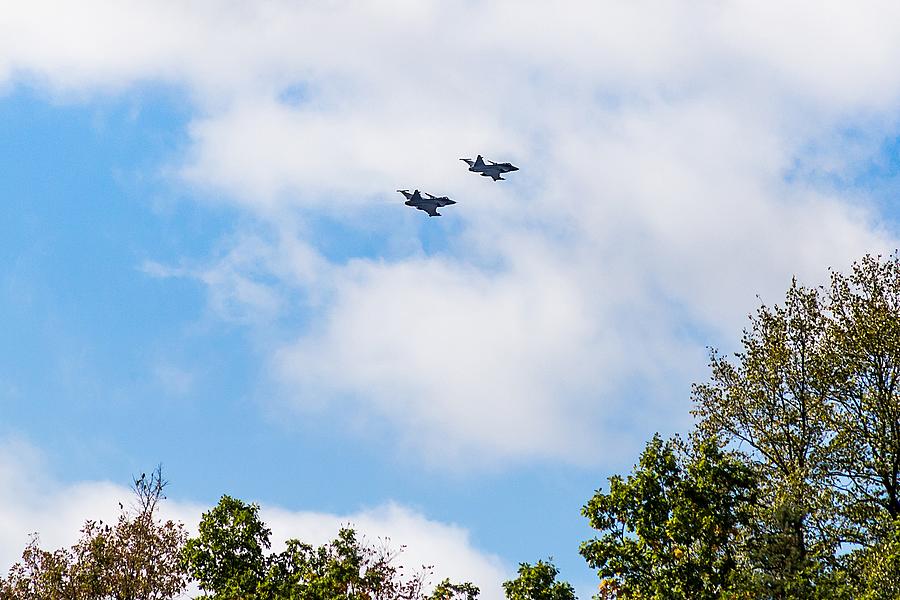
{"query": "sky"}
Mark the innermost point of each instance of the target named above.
(204, 263)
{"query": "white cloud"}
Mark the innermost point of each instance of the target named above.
(653, 204)
(458, 357)
(33, 501)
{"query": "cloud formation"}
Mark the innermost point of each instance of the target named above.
(666, 180)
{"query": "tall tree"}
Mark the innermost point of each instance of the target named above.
(865, 334)
(773, 403)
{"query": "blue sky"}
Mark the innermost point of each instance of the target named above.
(204, 264)
(93, 342)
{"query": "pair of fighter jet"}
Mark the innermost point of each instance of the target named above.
(432, 203)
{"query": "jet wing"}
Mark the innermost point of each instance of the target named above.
(430, 208)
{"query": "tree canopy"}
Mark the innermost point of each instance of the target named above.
(672, 529)
(229, 561)
(538, 582)
(788, 488)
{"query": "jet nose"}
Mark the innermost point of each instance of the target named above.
(515, 168)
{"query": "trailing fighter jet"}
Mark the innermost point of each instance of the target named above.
(429, 204)
(489, 168)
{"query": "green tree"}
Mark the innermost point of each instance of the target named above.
(811, 406)
(446, 590)
(865, 334)
(672, 529)
(228, 558)
(774, 402)
(876, 569)
(538, 582)
(346, 568)
(229, 561)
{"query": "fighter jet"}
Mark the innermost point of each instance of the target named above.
(429, 204)
(489, 168)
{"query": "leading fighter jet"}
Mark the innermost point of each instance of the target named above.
(429, 204)
(489, 168)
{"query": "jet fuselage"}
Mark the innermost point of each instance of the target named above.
(488, 168)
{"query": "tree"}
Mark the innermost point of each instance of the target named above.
(41, 575)
(342, 569)
(814, 402)
(228, 557)
(811, 408)
(538, 582)
(446, 590)
(774, 403)
(672, 529)
(137, 558)
(865, 334)
(877, 568)
(229, 561)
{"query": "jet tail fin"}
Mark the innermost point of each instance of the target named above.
(479, 161)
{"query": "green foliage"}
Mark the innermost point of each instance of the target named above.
(671, 530)
(775, 402)
(865, 335)
(137, 558)
(538, 582)
(878, 567)
(446, 590)
(229, 561)
(345, 569)
(814, 401)
(228, 557)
